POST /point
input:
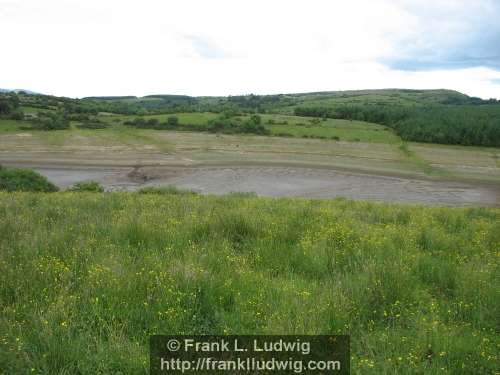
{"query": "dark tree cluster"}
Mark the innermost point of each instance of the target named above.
(235, 125)
(10, 107)
(79, 106)
(463, 125)
(225, 123)
(51, 121)
(259, 103)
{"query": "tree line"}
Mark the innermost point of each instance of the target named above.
(462, 125)
(227, 123)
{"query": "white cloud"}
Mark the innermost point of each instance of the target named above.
(220, 47)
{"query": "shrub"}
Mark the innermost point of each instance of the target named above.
(172, 120)
(138, 122)
(152, 122)
(90, 186)
(51, 121)
(16, 179)
(285, 135)
(253, 127)
(17, 115)
(256, 119)
(82, 117)
(92, 125)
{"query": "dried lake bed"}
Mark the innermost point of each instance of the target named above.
(279, 181)
(267, 166)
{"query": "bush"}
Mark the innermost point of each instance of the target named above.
(17, 115)
(90, 186)
(92, 125)
(172, 120)
(52, 121)
(256, 119)
(285, 135)
(16, 179)
(81, 117)
(152, 122)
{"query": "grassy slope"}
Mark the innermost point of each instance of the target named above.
(296, 126)
(85, 278)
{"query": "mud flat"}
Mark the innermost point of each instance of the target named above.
(280, 181)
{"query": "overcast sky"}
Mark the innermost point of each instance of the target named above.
(227, 47)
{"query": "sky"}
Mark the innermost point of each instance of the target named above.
(80, 48)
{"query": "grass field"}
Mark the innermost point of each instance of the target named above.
(290, 126)
(279, 125)
(86, 278)
(7, 126)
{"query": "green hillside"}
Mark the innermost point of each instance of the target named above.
(433, 116)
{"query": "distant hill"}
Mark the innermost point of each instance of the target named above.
(286, 103)
(388, 96)
(109, 97)
(434, 116)
(17, 91)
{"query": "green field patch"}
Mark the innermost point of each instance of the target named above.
(34, 110)
(284, 125)
(7, 126)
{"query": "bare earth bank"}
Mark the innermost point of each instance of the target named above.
(276, 181)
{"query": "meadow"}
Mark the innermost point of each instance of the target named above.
(276, 124)
(85, 278)
(286, 126)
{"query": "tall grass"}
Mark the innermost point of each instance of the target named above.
(86, 278)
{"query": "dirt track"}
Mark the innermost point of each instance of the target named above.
(278, 181)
